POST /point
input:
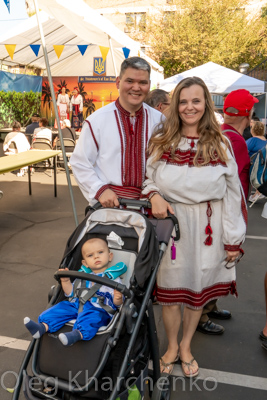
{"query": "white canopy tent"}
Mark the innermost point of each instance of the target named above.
(219, 80)
(71, 23)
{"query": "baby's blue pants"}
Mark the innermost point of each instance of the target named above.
(88, 321)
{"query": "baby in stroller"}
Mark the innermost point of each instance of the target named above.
(92, 305)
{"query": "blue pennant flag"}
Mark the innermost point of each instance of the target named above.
(35, 48)
(82, 48)
(126, 52)
(7, 3)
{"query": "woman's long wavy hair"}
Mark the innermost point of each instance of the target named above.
(168, 134)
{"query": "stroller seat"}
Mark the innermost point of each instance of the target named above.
(128, 258)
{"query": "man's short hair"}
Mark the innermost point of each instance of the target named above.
(36, 115)
(136, 63)
(239, 103)
(155, 97)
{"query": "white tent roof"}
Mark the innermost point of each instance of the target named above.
(218, 79)
(71, 23)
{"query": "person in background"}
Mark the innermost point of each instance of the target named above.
(42, 132)
(16, 142)
(30, 128)
(238, 109)
(63, 103)
(247, 131)
(76, 107)
(255, 143)
(191, 172)
(110, 156)
(258, 140)
(67, 133)
(35, 123)
(158, 99)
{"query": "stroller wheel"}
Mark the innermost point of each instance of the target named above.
(162, 391)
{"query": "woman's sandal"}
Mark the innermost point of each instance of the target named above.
(167, 368)
(189, 364)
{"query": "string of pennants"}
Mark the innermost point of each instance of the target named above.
(10, 48)
(7, 3)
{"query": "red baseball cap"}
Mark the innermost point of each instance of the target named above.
(239, 103)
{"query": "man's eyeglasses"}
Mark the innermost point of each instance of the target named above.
(232, 264)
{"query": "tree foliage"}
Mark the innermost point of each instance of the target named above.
(17, 106)
(212, 30)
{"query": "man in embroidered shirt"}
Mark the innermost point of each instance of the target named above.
(109, 159)
(238, 110)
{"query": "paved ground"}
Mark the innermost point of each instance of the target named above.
(34, 231)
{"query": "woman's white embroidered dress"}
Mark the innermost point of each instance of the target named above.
(209, 195)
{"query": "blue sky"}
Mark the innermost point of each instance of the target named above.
(17, 14)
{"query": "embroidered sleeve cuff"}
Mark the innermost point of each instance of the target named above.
(100, 191)
(235, 247)
(149, 195)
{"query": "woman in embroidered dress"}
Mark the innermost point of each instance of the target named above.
(76, 106)
(63, 103)
(191, 172)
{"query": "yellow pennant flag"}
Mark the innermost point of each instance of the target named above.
(104, 52)
(10, 48)
(58, 49)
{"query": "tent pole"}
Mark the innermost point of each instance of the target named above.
(112, 55)
(56, 112)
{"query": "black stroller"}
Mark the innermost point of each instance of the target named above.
(114, 364)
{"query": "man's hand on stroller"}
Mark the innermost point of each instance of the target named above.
(160, 207)
(117, 298)
(109, 199)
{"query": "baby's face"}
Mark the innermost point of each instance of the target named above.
(96, 255)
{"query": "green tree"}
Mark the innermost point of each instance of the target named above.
(212, 30)
(18, 106)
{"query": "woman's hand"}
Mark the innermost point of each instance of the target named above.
(160, 207)
(232, 255)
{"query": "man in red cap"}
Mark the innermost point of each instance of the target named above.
(238, 110)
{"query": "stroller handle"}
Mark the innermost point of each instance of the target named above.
(94, 278)
(127, 202)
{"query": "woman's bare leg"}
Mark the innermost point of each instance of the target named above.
(190, 322)
(172, 320)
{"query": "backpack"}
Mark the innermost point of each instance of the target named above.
(258, 171)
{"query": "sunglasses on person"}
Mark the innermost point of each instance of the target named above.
(231, 264)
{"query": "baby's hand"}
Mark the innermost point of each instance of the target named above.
(66, 279)
(117, 299)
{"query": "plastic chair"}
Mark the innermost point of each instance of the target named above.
(69, 145)
(43, 144)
